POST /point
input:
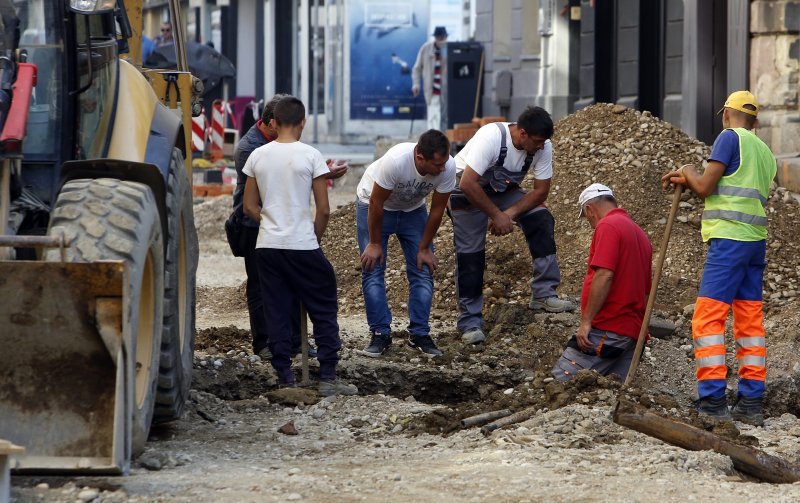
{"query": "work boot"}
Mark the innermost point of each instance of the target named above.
(337, 387)
(473, 336)
(378, 344)
(714, 407)
(749, 410)
(425, 344)
(551, 305)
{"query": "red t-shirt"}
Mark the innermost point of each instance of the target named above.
(621, 246)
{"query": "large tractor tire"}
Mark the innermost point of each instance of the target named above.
(177, 342)
(110, 219)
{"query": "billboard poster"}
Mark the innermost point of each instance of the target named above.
(384, 40)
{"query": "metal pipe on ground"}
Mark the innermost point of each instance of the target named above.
(517, 417)
(480, 419)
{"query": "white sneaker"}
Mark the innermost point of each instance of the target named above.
(473, 336)
(551, 305)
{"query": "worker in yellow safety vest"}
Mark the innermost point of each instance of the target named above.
(735, 186)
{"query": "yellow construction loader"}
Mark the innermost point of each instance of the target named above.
(98, 249)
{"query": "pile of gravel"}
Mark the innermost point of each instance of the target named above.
(611, 144)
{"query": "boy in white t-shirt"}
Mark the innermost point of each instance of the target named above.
(391, 200)
(283, 174)
(492, 165)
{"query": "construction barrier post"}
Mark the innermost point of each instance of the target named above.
(217, 130)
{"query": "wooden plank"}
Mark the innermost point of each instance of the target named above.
(746, 459)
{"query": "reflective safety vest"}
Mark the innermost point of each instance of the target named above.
(735, 210)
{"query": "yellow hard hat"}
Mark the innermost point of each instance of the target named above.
(740, 100)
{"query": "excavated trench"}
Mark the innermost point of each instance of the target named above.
(464, 374)
(229, 379)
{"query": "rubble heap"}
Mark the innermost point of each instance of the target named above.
(611, 144)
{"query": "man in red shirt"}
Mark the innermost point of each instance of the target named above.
(614, 292)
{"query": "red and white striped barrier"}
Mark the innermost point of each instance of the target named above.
(217, 130)
(199, 132)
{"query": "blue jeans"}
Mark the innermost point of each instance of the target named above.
(408, 227)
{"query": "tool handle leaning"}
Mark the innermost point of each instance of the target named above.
(304, 344)
(651, 298)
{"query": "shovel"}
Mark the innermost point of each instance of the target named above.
(651, 298)
(304, 345)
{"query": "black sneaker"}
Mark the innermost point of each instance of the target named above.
(377, 345)
(749, 411)
(714, 407)
(424, 344)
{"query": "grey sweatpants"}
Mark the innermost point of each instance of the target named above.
(469, 235)
(573, 360)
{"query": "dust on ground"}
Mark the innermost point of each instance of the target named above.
(401, 438)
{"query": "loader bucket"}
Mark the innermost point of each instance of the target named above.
(65, 390)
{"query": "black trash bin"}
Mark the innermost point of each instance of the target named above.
(463, 66)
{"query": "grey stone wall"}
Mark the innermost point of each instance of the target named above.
(774, 69)
(504, 52)
(673, 62)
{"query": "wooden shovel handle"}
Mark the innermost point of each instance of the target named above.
(651, 299)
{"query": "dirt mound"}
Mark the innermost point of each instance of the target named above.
(623, 148)
(629, 151)
(222, 298)
(217, 340)
(210, 214)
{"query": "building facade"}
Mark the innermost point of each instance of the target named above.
(678, 59)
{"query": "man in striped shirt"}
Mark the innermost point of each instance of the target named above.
(428, 70)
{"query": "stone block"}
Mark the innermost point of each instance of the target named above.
(774, 17)
(789, 172)
(780, 130)
(773, 73)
